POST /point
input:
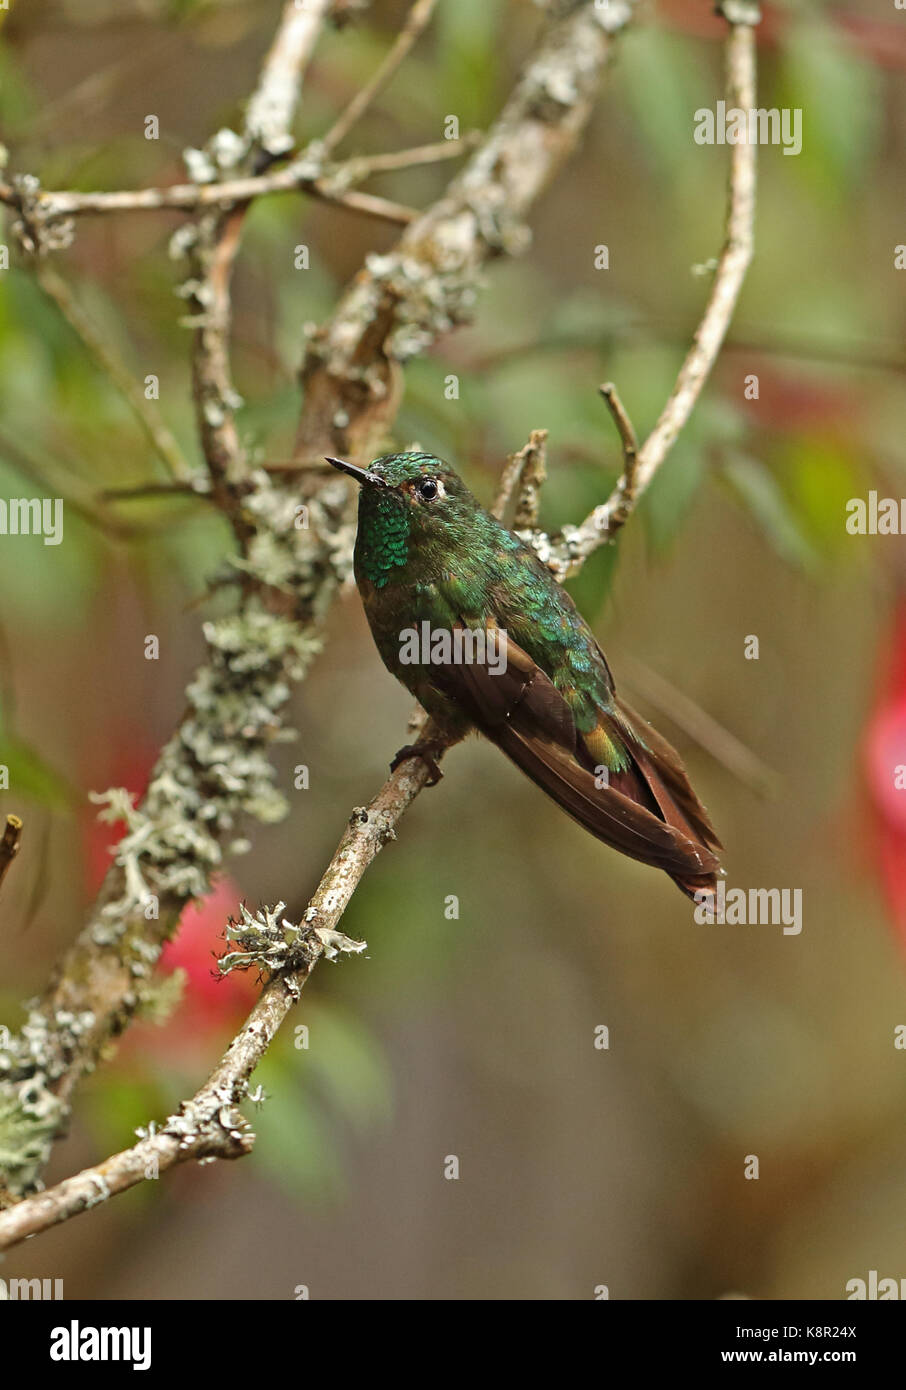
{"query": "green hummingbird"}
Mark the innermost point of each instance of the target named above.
(467, 617)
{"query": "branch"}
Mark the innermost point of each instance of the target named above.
(623, 499)
(213, 772)
(270, 112)
(9, 845)
(523, 476)
(401, 303)
(566, 552)
(44, 212)
(213, 243)
(329, 183)
(207, 1127)
(218, 758)
(210, 1125)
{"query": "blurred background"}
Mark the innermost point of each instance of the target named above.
(579, 1166)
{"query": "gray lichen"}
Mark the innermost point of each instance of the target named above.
(271, 943)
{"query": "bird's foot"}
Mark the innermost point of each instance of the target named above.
(426, 749)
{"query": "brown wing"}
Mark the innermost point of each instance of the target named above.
(521, 710)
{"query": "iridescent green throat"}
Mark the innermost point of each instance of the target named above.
(382, 543)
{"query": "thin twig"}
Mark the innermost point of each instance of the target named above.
(159, 435)
(9, 844)
(330, 182)
(78, 497)
(567, 551)
(523, 476)
(624, 495)
(384, 209)
(416, 21)
(363, 166)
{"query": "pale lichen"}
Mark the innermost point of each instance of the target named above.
(270, 943)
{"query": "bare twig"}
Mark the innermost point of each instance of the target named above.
(9, 844)
(384, 209)
(78, 496)
(624, 427)
(363, 166)
(416, 21)
(307, 174)
(159, 436)
(523, 476)
(576, 543)
(624, 495)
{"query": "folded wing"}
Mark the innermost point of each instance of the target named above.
(647, 809)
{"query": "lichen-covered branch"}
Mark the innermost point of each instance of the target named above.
(213, 774)
(272, 107)
(215, 771)
(210, 1125)
(402, 302)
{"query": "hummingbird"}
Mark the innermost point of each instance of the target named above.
(506, 653)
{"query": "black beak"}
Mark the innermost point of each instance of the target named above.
(361, 475)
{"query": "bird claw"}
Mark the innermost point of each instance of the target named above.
(426, 751)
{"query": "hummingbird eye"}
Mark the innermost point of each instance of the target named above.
(427, 489)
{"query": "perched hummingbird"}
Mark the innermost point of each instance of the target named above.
(429, 559)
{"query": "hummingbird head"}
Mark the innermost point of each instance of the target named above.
(411, 507)
(420, 487)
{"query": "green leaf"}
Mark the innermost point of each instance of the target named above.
(30, 776)
(758, 490)
(669, 499)
(838, 94)
(467, 56)
(822, 479)
(295, 1141)
(345, 1062)
(663, 80)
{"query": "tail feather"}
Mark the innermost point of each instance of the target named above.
(657, 779)
(613, 815)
